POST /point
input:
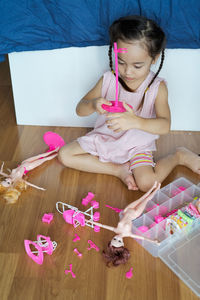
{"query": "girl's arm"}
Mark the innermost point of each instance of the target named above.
(128, 120)
(161, 124)
(92, 101)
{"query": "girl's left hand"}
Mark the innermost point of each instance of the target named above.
(122, 121)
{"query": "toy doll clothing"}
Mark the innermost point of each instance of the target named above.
(120, 147)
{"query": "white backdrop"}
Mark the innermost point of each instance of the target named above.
(47, 85)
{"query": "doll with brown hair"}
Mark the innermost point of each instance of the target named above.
(116, 253)
(13, 184)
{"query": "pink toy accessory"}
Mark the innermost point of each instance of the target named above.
(70, 271)
(143, 228)
(95, 204)
(87, 199)
(92, 245)
(73, 217)
(118, 210)
(77, 238)
(47, 218)
(129, 274)
(53, 140)
(96, 216)
(43, 244)
(77, 252)
(116, 106)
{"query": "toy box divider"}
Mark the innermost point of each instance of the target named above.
(179, 246)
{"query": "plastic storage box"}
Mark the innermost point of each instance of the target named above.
(179, 251)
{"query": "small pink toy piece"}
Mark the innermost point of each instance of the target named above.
(53, 140)
(152, 225)
(97, 228)
(70, 271)
(77, 238)
(118, 210)
(152, 207)
(143, 228)
(87, 199)
(158, 218)
(129, 274)
(171, 212)
(95, 204)
(96, 216)
(77, 252)
(92, 245)
(192, 207)
(45, 243)
(47, 218)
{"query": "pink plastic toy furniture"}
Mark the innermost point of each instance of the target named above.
(116, 106)
(53, 140)
(77, 238)
(92, 245)
(97, 228)
(95, 204)
(71, 217)
(43, 244)
(87, 199)
(47, 218)
(96, 216)
(70, 271)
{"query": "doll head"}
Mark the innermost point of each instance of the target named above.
(116, 253)
(11, 193)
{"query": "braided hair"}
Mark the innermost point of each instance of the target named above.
(138, 28)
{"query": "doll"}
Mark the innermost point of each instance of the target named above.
(115, 252)
(13, 184)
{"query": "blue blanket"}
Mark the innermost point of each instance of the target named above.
(51, 24)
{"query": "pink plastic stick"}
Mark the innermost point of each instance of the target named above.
(70, 271)
(77, 252)
(92, 245)
(114, 208)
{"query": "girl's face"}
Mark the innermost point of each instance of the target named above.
(134, 65)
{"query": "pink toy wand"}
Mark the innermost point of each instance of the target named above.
(117, 106)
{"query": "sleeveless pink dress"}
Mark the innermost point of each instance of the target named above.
(122, 146)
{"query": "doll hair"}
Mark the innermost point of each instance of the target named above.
(11, 194)
(115, 255)
(138, 28)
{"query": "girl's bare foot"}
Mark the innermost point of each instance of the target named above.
(127, 177)
(189, 159)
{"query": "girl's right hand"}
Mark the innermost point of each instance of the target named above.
(97, 104)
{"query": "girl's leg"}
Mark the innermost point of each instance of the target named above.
(73, 156)
(145, 176)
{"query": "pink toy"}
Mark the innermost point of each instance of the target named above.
(87, 199)
(152, 225)
(47, 218)
(43, 244)
(95, 204)
(53, 140)
(192, 207)
(71, 217)
(70, 271)
(77, 238)
(129, 274)
(115, 208)
(77, 252)
(116, 105)
(143, 228)
(158, 218)
(96, 228)
(92, 245)
(96, 216)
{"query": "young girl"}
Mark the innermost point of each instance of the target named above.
(121, 144)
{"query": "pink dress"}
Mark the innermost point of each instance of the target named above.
(122, 146)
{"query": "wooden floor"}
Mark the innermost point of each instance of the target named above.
(20, 277)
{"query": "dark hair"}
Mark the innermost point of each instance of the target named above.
(138, 28)
(115, 255)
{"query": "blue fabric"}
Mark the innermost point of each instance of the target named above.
(50, 24)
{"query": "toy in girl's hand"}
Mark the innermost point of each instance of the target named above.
(13, 183)
(116, 106)
(43, 244)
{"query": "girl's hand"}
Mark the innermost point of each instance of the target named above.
(97, 104)
(122, 121)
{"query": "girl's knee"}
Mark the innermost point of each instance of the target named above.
(144, 182)
(63, 155)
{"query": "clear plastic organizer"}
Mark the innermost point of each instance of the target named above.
(180, 251)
